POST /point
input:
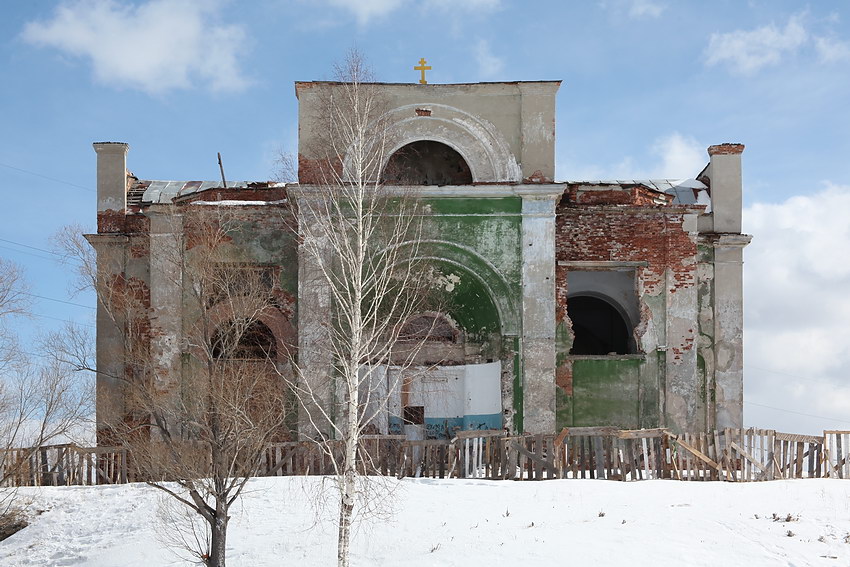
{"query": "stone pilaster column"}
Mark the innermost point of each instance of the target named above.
(315, 353)
(109, 352)
(538, 306)
(166, 296)
(729, 329)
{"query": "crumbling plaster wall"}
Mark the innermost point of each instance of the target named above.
(143, 253)
(659, 243)
(504, 131)
(472, 240)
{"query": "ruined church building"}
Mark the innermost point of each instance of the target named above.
(573, 303)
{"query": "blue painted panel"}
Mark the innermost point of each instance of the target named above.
(395, 425)
(482, 421)
(444, 427)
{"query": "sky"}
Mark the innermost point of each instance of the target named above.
(647, 86)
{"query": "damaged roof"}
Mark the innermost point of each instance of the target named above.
(157, 192)
(684, 191)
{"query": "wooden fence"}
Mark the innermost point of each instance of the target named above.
(63, 465)
(735, 455)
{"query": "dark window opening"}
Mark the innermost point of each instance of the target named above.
(434, 328)
(427, 163)
(598, 327)
(414, 415)
(252, 342)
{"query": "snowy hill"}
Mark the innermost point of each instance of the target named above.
(465, 523)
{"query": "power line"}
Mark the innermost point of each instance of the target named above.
(796, 412)
(48, 177)
(63, 320)
(777, 372)
(58, 300)
(31, 247)
(27, 253)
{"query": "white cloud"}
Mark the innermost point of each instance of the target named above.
(365, 11)
(681, 156)
(645, 9)
(635, 9)
(797, 308)
(675, 157)
(489, 66)
(831, 50)
(468, 5)
(748, 51)
(155, 46)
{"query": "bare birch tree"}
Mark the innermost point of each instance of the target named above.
(200, 436)
(360, 258)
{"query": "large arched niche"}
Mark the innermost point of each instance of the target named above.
(426, 162)
(480, 143)
(468, 391)
(493, 288)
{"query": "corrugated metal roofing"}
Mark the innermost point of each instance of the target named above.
(166, 191)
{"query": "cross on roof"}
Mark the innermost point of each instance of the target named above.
(422, 68)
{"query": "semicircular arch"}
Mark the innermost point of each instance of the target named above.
(468, 261)
(274, 319)
(479, 142)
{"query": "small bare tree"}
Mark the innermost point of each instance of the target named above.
(14, 301)
(199, 436)
(40, 402)
(361, 260)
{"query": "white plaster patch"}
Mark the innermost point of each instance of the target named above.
(439, 280)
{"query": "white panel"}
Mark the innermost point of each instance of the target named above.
(483, 394)
(440, 390)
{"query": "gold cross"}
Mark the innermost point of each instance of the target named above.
(422, 67)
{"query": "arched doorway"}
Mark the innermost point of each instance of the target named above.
(598, 327)
(247, 380)
(426, 163)
(243, 340)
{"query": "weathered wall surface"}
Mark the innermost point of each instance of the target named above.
(474, 244)
(658, 243)
(504, 131)
(506, 253)
(143, 258)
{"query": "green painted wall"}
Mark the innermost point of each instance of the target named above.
(490, 227)
(608, 392)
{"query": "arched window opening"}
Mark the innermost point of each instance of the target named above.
(598, 327)
(427, 163)
(256, 342)
(429, 327)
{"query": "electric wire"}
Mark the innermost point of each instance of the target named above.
(22, 170)
(796, 412)
(58, 300)
(27, 253)
(30, 247)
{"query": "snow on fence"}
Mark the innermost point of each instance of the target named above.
(734, 455)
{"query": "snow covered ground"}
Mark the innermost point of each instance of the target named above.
(466, 523)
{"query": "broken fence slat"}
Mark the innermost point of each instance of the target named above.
(697, 453)
(747, 456)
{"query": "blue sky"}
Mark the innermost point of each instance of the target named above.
(647, 86)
